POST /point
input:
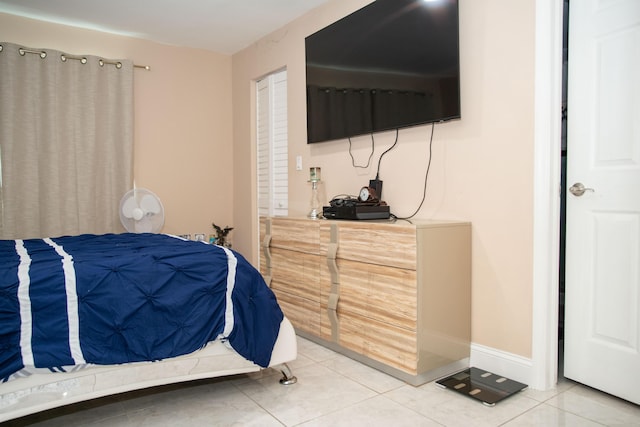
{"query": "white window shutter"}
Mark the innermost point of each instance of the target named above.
(264, 174)
(280, 175)
(273, 173)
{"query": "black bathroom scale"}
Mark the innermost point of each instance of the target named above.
(481, 385)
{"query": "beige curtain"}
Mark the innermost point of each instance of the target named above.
(66, 142)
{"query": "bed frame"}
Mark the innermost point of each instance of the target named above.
(39, 392)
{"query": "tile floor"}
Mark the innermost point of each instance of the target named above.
(333, 390)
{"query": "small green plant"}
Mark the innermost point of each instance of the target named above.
(221, 235)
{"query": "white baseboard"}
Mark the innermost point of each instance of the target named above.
(500, 362)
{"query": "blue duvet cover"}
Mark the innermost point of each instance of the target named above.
(118, 298)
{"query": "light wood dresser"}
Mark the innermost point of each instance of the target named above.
(393, 295)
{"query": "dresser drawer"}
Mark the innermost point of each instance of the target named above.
(392, 245)
(296, 273)
(385, 294)
(303, 313)
(393, 346)
(296, 235)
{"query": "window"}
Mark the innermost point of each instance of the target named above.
(273, 174)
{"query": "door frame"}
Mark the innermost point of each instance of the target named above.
(546, 192)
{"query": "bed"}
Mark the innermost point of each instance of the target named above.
(88, 316)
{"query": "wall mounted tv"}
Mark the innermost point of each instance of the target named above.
(389, 65)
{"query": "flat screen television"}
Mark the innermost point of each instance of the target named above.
(390, 65)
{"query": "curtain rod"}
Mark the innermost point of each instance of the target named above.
(82, 59)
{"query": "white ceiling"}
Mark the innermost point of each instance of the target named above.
(224, 26)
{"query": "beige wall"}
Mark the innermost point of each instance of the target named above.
(183, 144)
(482, 169)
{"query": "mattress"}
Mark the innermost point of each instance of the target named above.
(42, 391)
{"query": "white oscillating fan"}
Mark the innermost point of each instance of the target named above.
(141, 211)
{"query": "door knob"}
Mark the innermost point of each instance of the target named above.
(578, 189)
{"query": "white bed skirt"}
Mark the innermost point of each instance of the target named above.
(39, 392)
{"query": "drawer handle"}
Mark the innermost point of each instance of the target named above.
(334, 296)
(266, 245)
(266, 248)
(332, 250)
(333, 316)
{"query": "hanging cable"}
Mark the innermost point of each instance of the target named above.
(385, 152)
(353, 160)
(426, 176)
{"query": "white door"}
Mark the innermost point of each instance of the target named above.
(602, 322)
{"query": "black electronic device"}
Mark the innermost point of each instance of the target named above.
(389, 65)
(350, 208)
(376, 185)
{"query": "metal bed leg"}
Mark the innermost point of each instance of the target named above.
(287, 376)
